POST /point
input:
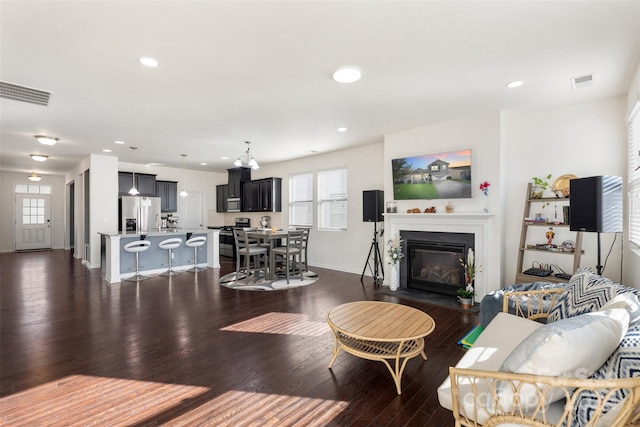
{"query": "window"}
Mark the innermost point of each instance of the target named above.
(33, 189)
(301, 200)
(332, 199)
(634, 175)
(32, 211)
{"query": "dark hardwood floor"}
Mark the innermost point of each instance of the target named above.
(188, 351)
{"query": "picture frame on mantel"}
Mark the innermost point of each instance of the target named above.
(432, 176)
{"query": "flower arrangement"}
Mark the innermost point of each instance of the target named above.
(395, 251)
(467, 292)
(484, 187)
(469, 268)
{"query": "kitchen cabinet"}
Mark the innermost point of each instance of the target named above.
(250, 196)
(262, 195)
(222, 193)
(237, 176)
(145, 183)
(168, 193)
(270, 190)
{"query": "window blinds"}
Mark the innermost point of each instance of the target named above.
(634, 175)
(332, 199)
(301, 200)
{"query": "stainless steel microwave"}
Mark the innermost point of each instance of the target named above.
(233, 205)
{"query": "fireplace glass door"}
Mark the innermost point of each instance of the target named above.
(435, 267)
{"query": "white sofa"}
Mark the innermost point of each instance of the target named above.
(580, 368)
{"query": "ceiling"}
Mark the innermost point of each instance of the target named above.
(261, 71)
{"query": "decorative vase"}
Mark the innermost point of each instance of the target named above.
(536, 191)
(465, 302)
(393, 277)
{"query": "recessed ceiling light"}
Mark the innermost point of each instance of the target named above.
(342, 129)
(106, 150)
(39, 157)
(515, 84)
(203, 164)
(149, 62)
(46, 140)
(224, 158)
(119, 142)
(347, 74)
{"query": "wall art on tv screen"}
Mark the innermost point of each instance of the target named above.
(433, 176)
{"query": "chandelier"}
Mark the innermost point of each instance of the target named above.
(247, 160)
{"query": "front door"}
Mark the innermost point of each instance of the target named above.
(33, 221)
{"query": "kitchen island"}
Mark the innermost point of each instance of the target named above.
(117, 264)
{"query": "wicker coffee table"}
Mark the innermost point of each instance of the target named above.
(381, 331)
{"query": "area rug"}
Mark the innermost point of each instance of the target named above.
(263, 284)
(470, 338)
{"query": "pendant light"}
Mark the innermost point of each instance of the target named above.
(247, 160)
(183, 192)
(134, 191)
(34, 177)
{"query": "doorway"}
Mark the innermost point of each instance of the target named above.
(33, 221)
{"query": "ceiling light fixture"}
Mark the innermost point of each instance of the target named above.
(34, 177)
(106, 150)
(347, 74)
(149, 62)
(247, 160)
(39, 157)
(341, 129)
(515, 84)
(118, 142)
(183, 193)
(134, 191)
(46, 140)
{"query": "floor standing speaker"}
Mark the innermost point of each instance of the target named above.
(596, 204)
(372, 206)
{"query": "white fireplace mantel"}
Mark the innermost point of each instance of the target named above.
(476, 223)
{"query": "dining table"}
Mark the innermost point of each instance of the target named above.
(271, 236)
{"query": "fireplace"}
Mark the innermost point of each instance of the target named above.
(432, 261)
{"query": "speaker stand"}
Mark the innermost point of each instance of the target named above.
(377, 271)
(599, 266)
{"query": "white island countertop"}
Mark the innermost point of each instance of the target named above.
(117, 264)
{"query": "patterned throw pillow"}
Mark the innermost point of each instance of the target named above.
(623, 363)
(586, 292)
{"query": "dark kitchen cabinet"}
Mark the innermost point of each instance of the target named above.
(251, 196)
(222, 193)
(262, 195)
(168, 193)
(237, 176)
(145, 183)
(270, 190)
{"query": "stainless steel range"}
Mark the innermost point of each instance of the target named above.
(227, 242)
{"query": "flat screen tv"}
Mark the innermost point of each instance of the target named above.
(432, 176)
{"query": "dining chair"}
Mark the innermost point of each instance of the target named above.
(305, 245)
(291, 252)
(247, 247)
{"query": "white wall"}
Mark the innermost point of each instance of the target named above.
(8, 182)
(586, 139)
(482, 135)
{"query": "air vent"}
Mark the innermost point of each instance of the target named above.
(582, 81)
(24, 94)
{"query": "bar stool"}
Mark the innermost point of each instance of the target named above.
(136, 247)
(195, 243)
(170, 245)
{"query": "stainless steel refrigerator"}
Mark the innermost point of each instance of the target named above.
(138, 213)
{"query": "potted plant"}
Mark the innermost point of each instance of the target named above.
(465, 296)
(539, 186)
